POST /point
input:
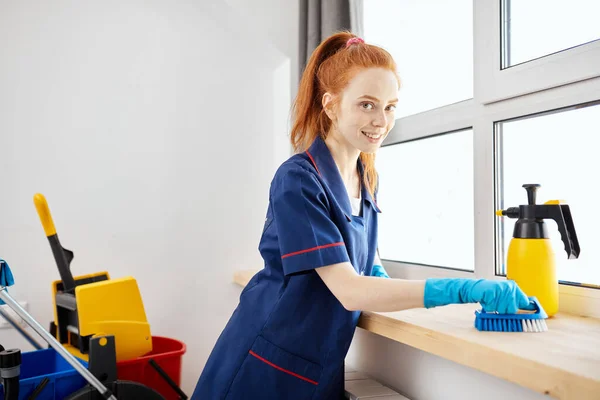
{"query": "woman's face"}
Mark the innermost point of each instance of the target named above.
(364, 113)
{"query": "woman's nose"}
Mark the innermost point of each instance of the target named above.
(380, 120)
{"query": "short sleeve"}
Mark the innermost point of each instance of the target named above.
(308, 238)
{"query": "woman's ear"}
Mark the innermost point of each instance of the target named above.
(327, 103)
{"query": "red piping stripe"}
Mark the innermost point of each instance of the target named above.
(313, 249)
(313, 161)
(283, 369)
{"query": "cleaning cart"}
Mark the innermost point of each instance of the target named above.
(21, 374)
(11, 366)
(55, 373)
(100, 340)
(94, 305)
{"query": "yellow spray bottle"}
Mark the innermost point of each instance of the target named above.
(530, 260)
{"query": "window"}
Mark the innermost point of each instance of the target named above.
(433, 50)
(426, 186)
(557, 151)
(522, 47)
(495, 94)
(558, 26)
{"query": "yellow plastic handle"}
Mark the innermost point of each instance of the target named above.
(43, 211)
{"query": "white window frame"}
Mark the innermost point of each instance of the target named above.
(499, 95)
(494, 84)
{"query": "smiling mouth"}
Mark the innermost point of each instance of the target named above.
(372, 135)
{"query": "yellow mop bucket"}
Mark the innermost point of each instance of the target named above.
(94, 304)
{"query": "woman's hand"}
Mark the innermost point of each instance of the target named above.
(504, 297)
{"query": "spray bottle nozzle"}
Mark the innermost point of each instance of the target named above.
(510, 212)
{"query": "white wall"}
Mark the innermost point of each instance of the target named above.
(424, 376)
(278, 21)
(150, 128)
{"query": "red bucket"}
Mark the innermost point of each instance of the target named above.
(167, 353)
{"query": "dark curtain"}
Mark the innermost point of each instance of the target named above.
(319, 19)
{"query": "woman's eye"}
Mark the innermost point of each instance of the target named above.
(392, 107)
(368, 106)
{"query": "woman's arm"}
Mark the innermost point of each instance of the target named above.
(368, 293)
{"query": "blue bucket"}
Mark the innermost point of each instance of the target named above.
(47, 363)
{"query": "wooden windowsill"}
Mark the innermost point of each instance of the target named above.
(563, 363)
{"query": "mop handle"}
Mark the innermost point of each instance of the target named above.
(7, 298)
(62, 256)
(22, 331)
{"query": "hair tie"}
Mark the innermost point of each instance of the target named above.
(354, 40)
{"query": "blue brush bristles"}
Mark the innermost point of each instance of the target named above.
(520, 322)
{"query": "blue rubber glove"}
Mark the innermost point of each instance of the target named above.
(379, 271)
(6, 276)
(504, 297)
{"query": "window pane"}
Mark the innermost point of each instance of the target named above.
(426, 197)
(536, 28)
(559, 152)
(432, 43)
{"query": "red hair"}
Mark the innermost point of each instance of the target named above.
(330, 68)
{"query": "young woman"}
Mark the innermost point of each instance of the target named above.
(291, 331)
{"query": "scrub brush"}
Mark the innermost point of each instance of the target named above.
(522, 321)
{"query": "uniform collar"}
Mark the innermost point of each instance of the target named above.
(321, 158)
(365, 192)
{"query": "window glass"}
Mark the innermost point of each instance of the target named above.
(559, 152)
(536, 28)
(432, 43)
(426, 197)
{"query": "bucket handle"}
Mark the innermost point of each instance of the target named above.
(38, 389)
(166, 377)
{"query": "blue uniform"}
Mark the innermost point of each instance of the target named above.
(289, 335)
